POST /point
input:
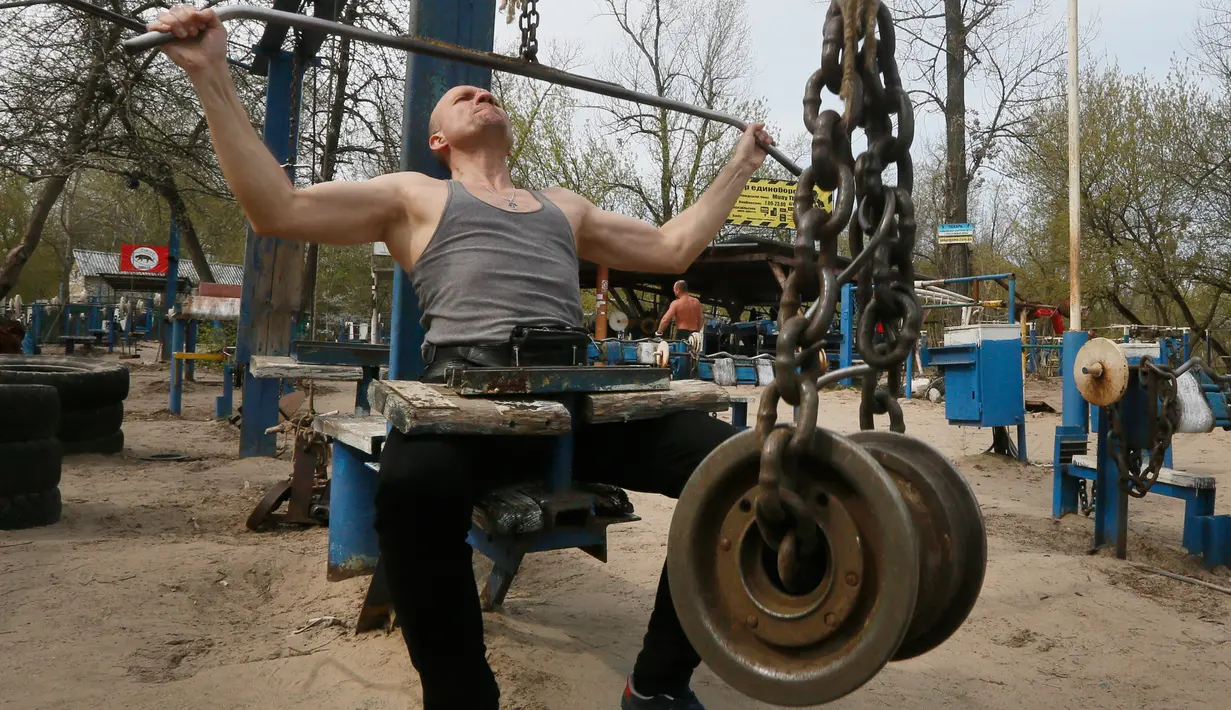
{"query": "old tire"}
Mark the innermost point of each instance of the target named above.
(28, 412)
(29, 466)
(110, 444)
(91, 422)
(30, 510)
(80, 383)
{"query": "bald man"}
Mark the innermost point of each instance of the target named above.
(685, 310)
(487, 258)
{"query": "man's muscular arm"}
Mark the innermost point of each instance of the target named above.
(622, 242)
(332, 212)
(667, 317)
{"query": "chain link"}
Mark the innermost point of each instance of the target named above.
(529, 24)
(1162, 421)
(888, 311)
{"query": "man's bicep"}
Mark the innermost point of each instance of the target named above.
(340, 212)
(624, 243)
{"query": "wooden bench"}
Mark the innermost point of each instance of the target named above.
(1204, 533)
(507, 523)
(88, 341)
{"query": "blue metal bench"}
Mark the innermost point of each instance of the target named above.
(508, 523)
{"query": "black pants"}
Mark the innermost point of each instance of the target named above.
(683, 333)
(428, 485)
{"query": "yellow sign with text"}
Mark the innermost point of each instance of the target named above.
(770, 203)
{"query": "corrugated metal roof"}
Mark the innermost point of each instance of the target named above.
(99, 263)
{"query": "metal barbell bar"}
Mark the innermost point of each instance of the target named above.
(444, 50)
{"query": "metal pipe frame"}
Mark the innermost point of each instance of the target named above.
(444, 50)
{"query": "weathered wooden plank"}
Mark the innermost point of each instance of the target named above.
(418, 408)
(208, 308)
(363, 433)
(685, 395)
(273, 366)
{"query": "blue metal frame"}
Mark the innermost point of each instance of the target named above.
(469, 23)
(261, 395)
(175, 398)
(353, 545)
(846, 356)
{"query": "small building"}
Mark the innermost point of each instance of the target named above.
(96, 277)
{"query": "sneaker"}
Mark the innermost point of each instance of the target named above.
(680, 701)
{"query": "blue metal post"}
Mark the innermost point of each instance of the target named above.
(910, 374)
(1107, 520)
(190, 346)
(224, 403)
(110, 325)
(1012, 300)
(1188, 346)
(469, 23)
(846, 352)
(562, 457)
(259, 330)
(1076, 410)
(353, 545)
(177, 367)
(29, 344)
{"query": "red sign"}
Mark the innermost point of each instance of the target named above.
(138, 259)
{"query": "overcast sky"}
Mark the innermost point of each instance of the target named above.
(786, 35)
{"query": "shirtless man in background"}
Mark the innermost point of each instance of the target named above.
(685, 310)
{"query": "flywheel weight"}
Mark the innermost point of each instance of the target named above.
(951, 532)
(804, 648)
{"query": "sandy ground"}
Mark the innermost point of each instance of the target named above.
(151, 593)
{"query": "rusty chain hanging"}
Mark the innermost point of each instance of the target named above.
(1162, 421)
(889, 315)
(529, 24)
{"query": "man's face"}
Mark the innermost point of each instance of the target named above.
(469, 118)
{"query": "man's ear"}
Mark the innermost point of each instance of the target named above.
(437, 142)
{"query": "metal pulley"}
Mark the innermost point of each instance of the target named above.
(952, 536)
(852, 603)
(617, 321)
(1101, 372)
(898, 566)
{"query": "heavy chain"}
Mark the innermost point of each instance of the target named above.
(1162, 421)
(857, 63)
(529, 24)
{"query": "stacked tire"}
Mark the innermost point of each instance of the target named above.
(30, 456)
(91, 398)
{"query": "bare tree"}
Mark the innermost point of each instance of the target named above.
(1003, 46)
(696, 51)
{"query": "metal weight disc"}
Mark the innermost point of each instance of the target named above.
(851, 612)
(1101, 372)
(617, 321)
(952, 536)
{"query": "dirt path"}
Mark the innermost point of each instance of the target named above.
(151, 594)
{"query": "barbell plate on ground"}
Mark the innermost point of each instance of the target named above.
(811, 647)
(952, 536)
(1101, 372)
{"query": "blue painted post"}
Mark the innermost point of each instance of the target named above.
(846, 352)
(1012, 300)
(562, 456)
(1188, 346)
(1032, 362)
(1076, 410)
(111, 327)
(1107, 520)
(261, 330)
(353, 546)
(177, 367)
(190, 346)
(910, 374)
(224, 403)
(470, 23)
(29, 344)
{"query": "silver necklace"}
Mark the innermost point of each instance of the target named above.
(511, 200)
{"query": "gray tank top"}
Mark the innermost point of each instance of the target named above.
(487, 270)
